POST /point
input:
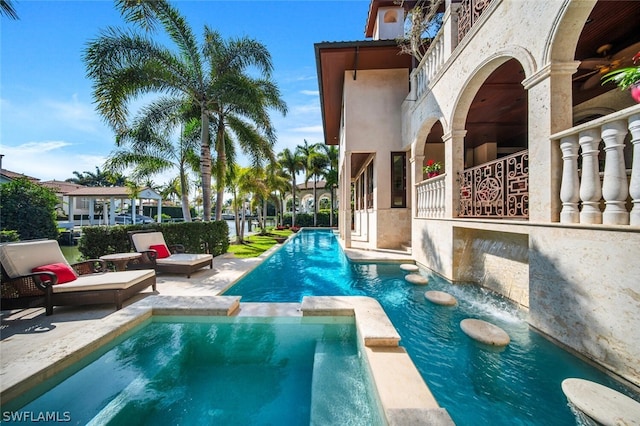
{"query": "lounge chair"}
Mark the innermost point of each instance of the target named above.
(158, 255)
(35, 273)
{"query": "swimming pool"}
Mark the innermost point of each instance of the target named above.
(476, 384)
(220, 370)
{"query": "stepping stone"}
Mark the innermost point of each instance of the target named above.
(602, 404)
(484, 332)
(409, 267)
(440, 298)
(416, 279)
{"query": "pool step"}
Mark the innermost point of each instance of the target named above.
(334, 388)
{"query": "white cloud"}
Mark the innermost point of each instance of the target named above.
(308, 129)
(72, 114)
(48, 160)
(310, 92)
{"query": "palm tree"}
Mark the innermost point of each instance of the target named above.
(240, 113)
(331, 175)
(243, 182)
(149, 150)
(124, 65)
(291, 163)
(317, 163)
(7, 9)
(278, 184)
(99, 178)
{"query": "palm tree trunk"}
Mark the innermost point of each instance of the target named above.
(264, 215)
(205, 166)
(293, 206)
(315, 204)
(184, 195)
(222, 167)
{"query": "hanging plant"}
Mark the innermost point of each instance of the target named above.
(627, 78)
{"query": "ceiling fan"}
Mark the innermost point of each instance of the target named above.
(597, 67)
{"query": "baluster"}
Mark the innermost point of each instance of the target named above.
(634, 186)
(570, 187)
(615, 187)
(441, 198)
(590, 191)
(429, 198)
(421, 212)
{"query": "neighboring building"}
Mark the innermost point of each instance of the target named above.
(62, 190)
(537, 196)
(8, 176)
(102, 202)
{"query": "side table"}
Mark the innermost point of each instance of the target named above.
(120, 260)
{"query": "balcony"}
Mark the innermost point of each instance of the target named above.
(598, 186)
(469, 13)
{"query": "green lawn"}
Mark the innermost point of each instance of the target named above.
(255, 245)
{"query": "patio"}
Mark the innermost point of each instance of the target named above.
(30, 340)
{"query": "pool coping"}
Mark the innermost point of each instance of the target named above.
(404, 396)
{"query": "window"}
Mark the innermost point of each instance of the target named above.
(82, 203)
(398, 180)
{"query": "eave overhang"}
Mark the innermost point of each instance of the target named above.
(334, 58)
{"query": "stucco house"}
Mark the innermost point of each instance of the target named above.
(538, 194)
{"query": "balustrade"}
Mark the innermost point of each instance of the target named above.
(496, 189)
(585, 188)
(469, 13)
(431, 63)
(430, 197)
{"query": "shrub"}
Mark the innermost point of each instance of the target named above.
(29, 209)
(9, 236)
(197, 237)
(306, 219)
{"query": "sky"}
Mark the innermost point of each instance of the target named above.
(48, 125)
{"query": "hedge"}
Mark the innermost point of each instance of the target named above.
(306, 219)
(196, 237)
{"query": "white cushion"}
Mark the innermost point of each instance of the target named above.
(184, 259)
(18, 259)
(143, 240)
(107, 281)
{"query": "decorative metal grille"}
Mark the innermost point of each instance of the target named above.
(469, 12)
(496, 189)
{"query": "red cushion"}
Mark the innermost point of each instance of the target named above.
(63, 271)
(161, 249)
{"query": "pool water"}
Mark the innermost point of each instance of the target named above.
(477, 384)
(226, 371)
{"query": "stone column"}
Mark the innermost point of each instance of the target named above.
(615, 187)
(416, 171)
(590, 191)
(550, 111)
(347, 204)
(453, 164)
(450, 27)
(92, 203)
(634, 186)
(112, 211)
(72, 201)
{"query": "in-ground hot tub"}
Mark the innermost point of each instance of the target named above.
(326, 359)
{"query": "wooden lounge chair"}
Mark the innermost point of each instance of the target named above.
(163, 258)
(57, 283)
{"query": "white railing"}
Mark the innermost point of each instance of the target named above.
(431, 63)
(585, 187)
(430, 197)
